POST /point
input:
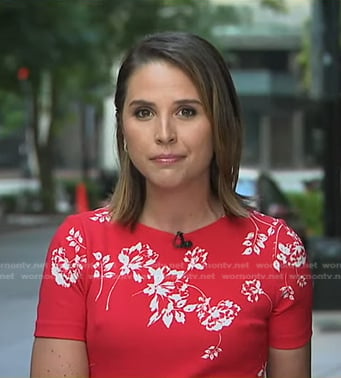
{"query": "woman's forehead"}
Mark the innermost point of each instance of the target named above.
(160, 78)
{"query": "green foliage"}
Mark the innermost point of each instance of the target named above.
(26, 201)
(11, 113)
(304, 58)
(310, 206)
(93, 190)
(77, 41)
(75, 44)
(277, 5)
(8, 204)
(57, 36)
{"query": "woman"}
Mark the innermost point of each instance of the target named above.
(176, 277)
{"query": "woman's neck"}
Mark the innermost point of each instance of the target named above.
(183, 211)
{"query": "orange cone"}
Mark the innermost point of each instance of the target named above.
(82, 200)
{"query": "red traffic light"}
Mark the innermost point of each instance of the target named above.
(23, 73)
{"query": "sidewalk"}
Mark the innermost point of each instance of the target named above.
(13, 222)
(326, 344)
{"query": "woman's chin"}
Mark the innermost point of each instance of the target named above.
(167, 183)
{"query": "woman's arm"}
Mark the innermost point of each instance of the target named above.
(59, 358)
(293, 363)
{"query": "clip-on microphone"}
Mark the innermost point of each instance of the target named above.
(180, 242)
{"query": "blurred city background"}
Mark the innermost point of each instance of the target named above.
(58, 64)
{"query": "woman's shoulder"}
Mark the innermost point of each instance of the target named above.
(82, 233)
(99, 217)
(260, 223)
(88, 225)
(267, 224)
(260, 232)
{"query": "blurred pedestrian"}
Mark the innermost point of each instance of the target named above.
(177, 276)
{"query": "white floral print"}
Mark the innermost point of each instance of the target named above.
(174, 309)
(75, 239)
(254, 243)
(135, 258)
(102, 269)
(173, 298)
(262, 371)
(220, 316)
(298, 256)
(203, 306)
(196, 259)
(287, 292)
(169, 290)
(101, 216)
(164, 281)
(102, 266)
(64, 270)
(212, 352)
(172, 294)
(252, 289)
(301, 281)
(291, 254)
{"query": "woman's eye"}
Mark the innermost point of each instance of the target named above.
(143, 113)
(187, 112)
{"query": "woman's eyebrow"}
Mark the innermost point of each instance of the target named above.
(188, 101)
(141, 103)
(178, 102)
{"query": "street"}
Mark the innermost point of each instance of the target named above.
(22, 254)
(21, 258)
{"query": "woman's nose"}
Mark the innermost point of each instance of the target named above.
(165, 131)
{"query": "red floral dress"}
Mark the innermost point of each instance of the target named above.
(148, 309)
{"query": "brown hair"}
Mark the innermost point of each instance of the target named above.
(205, 66)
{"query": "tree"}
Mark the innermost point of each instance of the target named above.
(60, 45)
(69, 48)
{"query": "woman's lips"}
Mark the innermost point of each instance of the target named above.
(167, 159)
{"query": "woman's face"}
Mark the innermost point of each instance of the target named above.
(167, 132)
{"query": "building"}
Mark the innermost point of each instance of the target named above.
(262, 53)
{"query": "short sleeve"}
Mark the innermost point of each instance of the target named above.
(290, 324)
(62, 296)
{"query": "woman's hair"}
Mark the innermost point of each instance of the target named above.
(208, 71)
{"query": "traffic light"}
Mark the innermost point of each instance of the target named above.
(23, 73)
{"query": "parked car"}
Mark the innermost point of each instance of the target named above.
(266, 196)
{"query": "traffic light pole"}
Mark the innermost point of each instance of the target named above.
(326, 89)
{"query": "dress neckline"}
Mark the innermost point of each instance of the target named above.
(144, 227)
